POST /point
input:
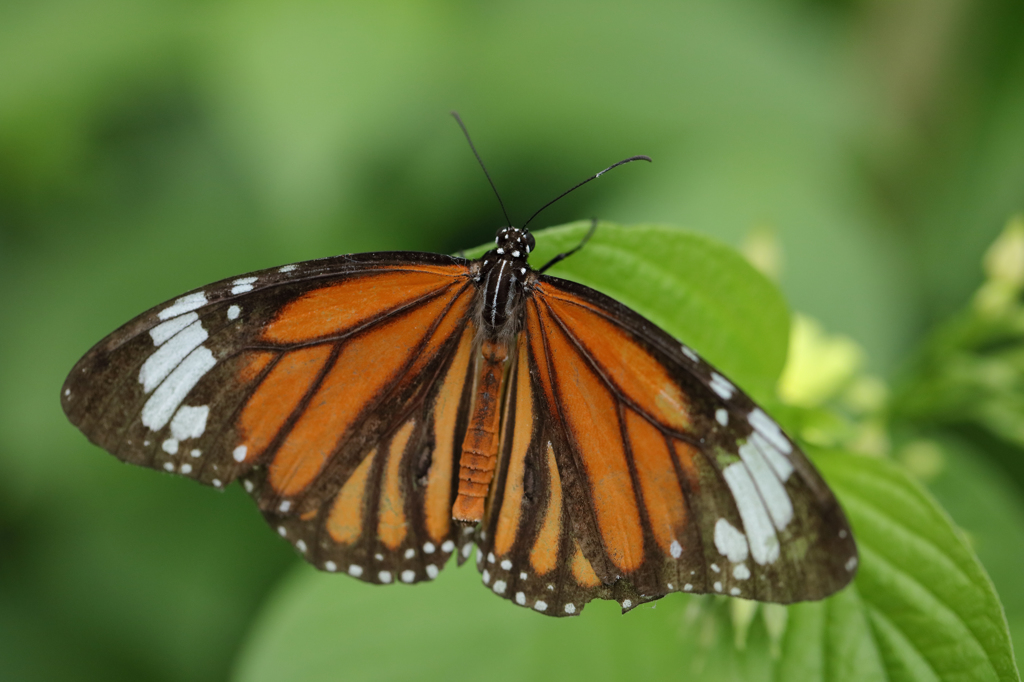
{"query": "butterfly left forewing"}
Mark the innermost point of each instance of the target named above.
(291, 379)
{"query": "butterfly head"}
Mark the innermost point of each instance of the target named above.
(511, 240)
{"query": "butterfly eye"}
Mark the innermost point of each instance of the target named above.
(530, 242)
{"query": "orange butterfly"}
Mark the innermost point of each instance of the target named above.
(388, 410)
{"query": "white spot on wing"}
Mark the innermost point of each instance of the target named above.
(764, 545)
(428, 548)
(161, 363)
(851, 563)
(233, 312)
(774, 494)
(331, 566)
(741, 572)
(778, 461)
(626, 603)
(242, 285)
(730, 542)
(196, 453)
(687, 587)
(467, 549)
(675, 549)
(721, 386)
(570, 608)
(165, 400)
(764, 425)
(301, 546)
(499, 587)
(486, 576)
(541, 605)
(688, 352)
(286, 268)
(718, 586)
(408, 576)
(166, 330)
(506, 564)
(284, 506)
(715, 568)
(431, 571)
(722, 416)
(355, 570)
(189, 422)
(520, 598)
(169, 466)
(448, 546)
(410, 553)
(239, 453)
(384, 576)
(183, 305)
(186, 468)
(735, 591)
(170, 446)
(248, 485)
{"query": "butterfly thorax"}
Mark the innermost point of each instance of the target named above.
(502, 273)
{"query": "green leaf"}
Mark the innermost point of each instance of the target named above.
(987, 505)
(931, 610)
(921, 608)
(700, 291)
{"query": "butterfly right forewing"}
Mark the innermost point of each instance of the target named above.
(670, 479)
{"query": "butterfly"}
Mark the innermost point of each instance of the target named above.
(389, 410)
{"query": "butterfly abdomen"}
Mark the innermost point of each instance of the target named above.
(480, 446)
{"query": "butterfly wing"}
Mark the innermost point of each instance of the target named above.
(335, 390)
(630, 469)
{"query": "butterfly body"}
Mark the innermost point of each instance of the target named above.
(389, 410)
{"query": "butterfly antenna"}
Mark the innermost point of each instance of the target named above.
(592, 177)
(465, 132)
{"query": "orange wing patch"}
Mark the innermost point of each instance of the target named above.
(437, 497)
(345, 522)
(277, 397)
(449, 324)
(366, 365)
(685, 454)
(629, 366)
(582, 570)
(522, 433)
(253, 363)
(662, 495)
(340, 307)
(392, 524)
(544, 555)
(592, 416)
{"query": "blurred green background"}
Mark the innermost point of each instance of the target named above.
(876, 147)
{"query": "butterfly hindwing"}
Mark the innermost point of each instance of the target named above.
(302, 381)
(670, 478)
(381, 509)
